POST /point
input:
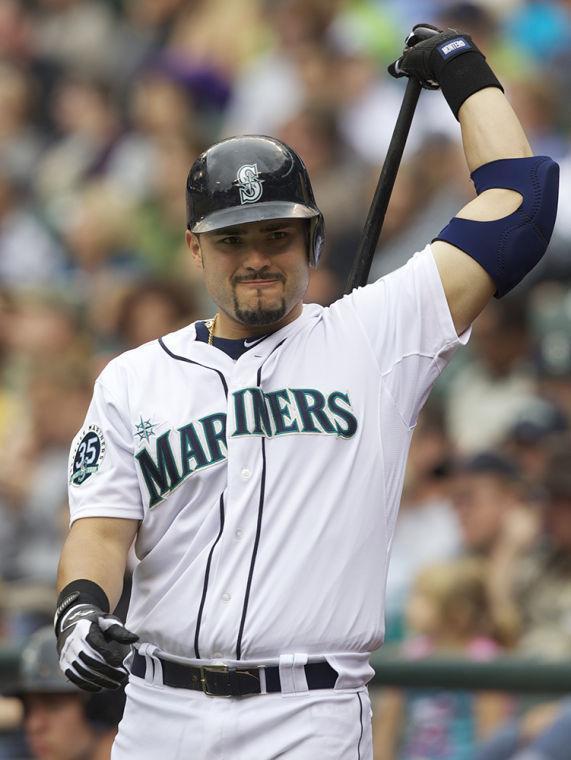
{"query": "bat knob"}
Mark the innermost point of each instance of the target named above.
(421, 32)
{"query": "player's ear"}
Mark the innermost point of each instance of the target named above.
(193, 242)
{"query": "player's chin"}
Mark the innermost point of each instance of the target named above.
(260, 300)
(259, 314)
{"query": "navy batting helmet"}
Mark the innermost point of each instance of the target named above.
(249, 179)
(40, 674)
(39, 667)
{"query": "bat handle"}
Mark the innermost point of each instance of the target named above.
(375, 218)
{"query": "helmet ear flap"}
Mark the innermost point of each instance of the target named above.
(316, 239)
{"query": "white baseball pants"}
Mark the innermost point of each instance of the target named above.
(162, 723)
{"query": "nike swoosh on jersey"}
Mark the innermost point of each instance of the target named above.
(249, 344)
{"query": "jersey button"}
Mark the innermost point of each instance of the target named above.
(239, 533)
(245, 473)
(217, 656)
(226, 597)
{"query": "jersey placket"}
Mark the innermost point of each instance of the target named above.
(233, 563)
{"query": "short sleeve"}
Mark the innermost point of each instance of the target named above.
(409, 326)
(102, 477)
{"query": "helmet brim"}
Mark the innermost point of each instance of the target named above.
(257, 212)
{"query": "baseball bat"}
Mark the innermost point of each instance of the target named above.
(371, 232)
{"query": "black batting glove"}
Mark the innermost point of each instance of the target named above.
(444, 59)
(92, 647)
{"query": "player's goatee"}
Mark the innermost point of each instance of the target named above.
(259, 316)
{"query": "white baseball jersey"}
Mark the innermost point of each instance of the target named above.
(267, 487)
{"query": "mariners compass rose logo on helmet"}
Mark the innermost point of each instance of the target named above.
(249, 182)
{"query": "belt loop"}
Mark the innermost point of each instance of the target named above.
(262, 675)
(286, 673)
(299, 675)
(153, 665)
(292, 673)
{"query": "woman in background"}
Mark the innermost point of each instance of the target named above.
(449, 614)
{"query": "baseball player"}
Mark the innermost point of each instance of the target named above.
(256, 459)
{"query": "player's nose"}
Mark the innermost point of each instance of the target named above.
(256, 258)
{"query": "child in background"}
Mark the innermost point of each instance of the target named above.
(449, 614)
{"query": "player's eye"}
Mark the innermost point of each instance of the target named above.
(278, 235)
(231, 240)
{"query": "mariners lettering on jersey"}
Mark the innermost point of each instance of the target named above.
(202, 443)
(292, 410)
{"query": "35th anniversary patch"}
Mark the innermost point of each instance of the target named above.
(87, 455)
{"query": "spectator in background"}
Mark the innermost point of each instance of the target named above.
(60, 722)
(43, 382)
(491, 501)
(531, 573)
(29, 254)
(205, 34)
(21, 143)
(43, 325)
(487, 395)
(159, 109)
(86, 119)
(151, 309)
(449, 613)
(543, 733)
(99, 232)
(71, 34)
(485, 489)
(35, 473)
(16, 43)
(552, 354)
(152, 19)
(528, 441)
(531, 579)
(269, 90)
(160, 219)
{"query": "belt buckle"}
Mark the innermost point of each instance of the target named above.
(212, 669)
(226, 669)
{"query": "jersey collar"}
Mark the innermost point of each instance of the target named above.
(184, 342)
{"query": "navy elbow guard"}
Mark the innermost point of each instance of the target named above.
(510, 247)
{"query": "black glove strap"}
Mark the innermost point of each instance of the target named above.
(81, 591)
(463, 76)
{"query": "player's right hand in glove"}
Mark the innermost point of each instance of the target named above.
(92, 647)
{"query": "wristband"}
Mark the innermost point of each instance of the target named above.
(461, 70)
(81, 591)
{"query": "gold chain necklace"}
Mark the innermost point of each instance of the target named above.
(211, 324)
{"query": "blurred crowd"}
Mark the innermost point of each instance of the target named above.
(104, 104)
